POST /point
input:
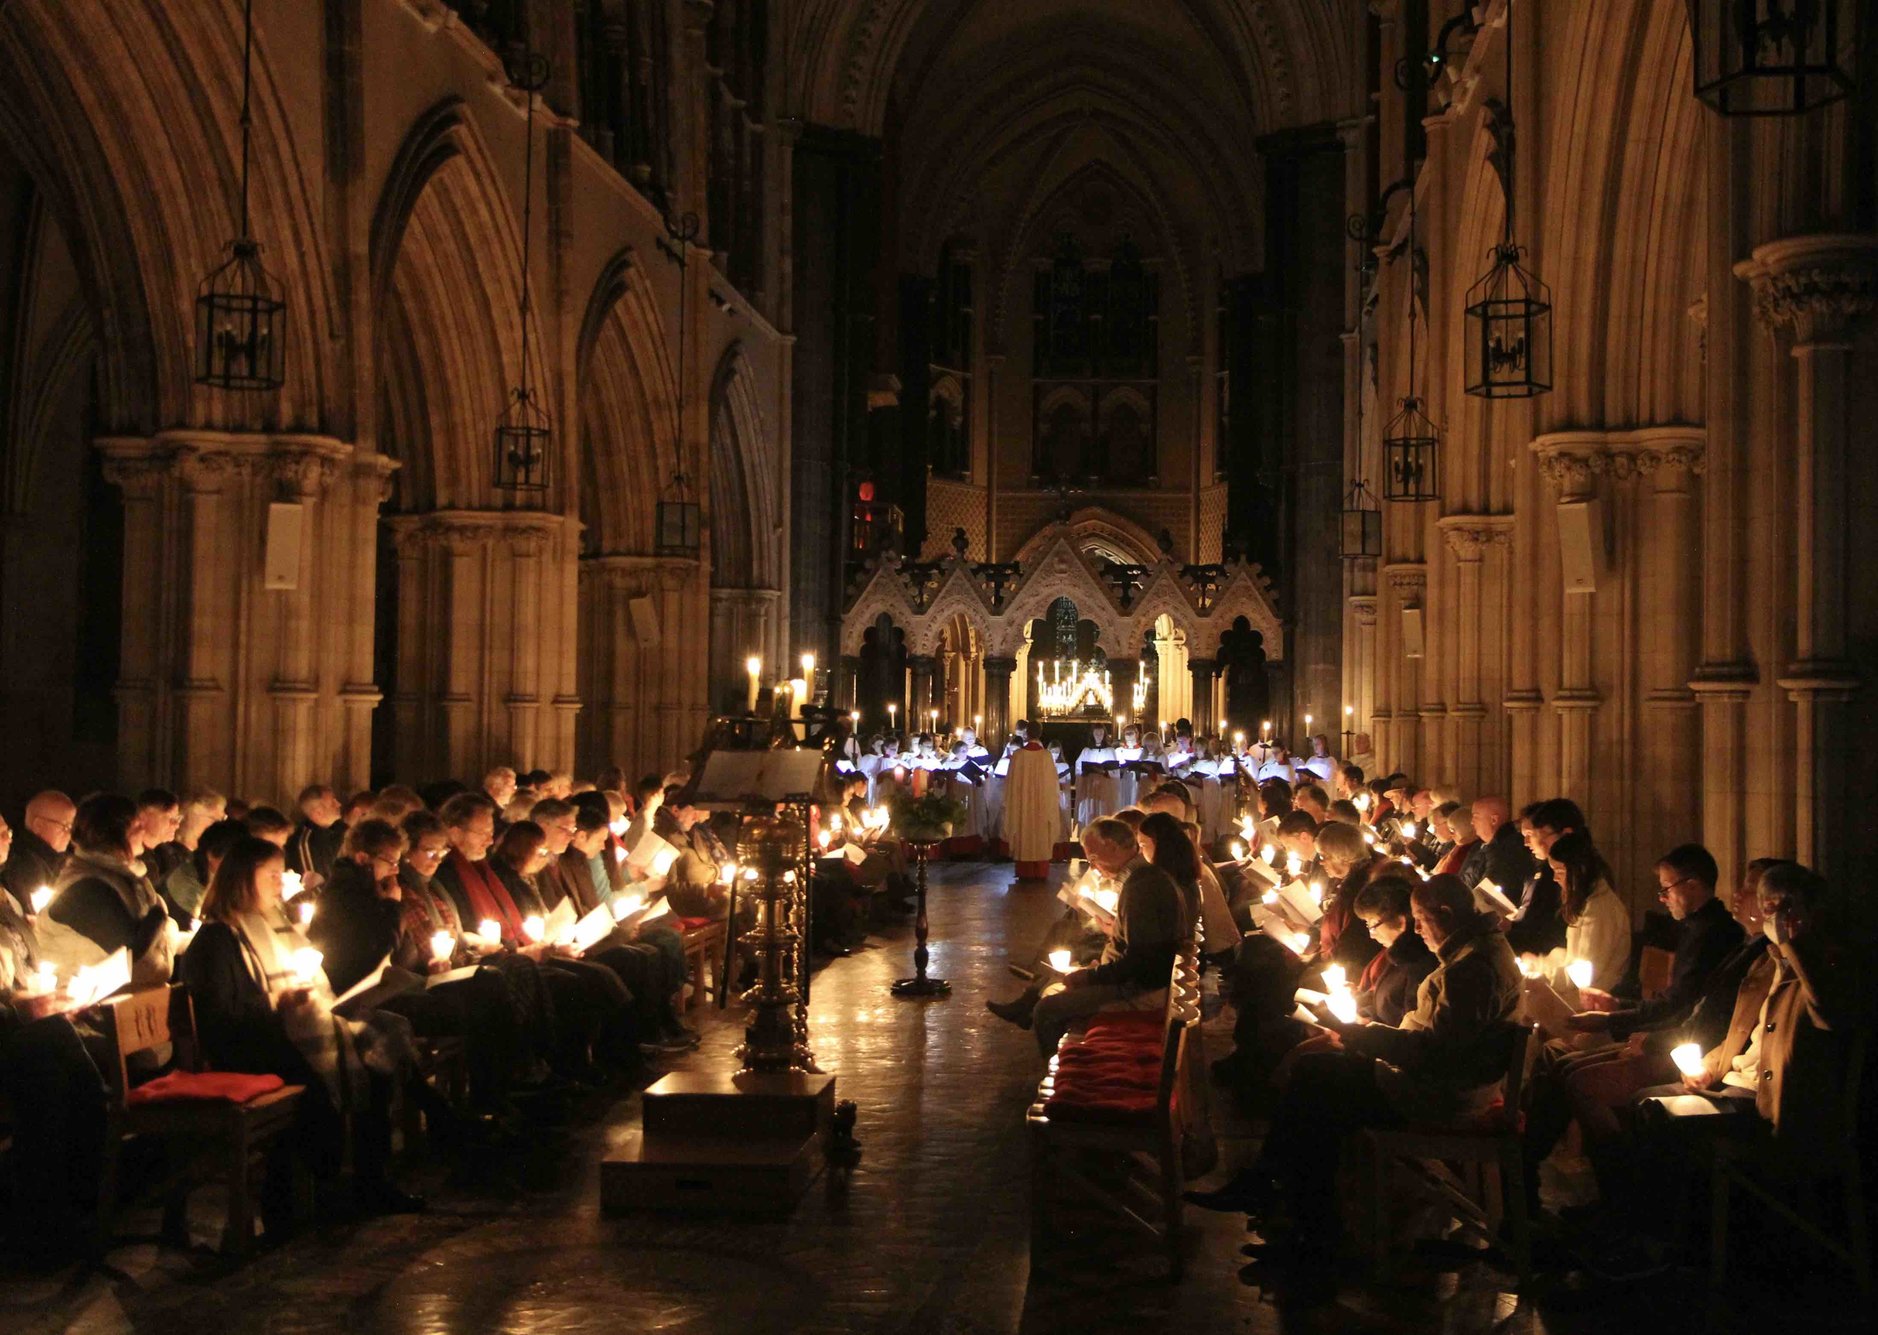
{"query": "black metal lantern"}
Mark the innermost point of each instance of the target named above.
(1410, 446)
(523, 437)
(241, 325)
(524, 433)
(678, 521)
(1774, 57)
(1362, 523)
(1509, 331)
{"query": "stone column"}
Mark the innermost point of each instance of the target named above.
(1570, 469)
(845, 690)
(1399, 745)
(1813, 289)
(997, 700)
(300, 475)
(1122, 673)
(923, 668)
(142, 678)
(1201, 671)
(1469, 537)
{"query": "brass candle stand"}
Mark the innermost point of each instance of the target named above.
(776, 1038)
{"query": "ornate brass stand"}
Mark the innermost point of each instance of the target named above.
(919, 985)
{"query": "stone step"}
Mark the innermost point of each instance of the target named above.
(707, 1174)
(743, 1105)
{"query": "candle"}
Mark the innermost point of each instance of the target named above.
(1238, 739)
(533, 927)
(619, 827)
(727, 873)
(306, 964)
(808, 667)
(1317, 891)
(1118, 721)
(441, 944)
(823, 838)
(754, 666)
(1060, 961)
(47, 977)
(1342, 1004)
(1270, 854)
(490, 930)
(1265, 730)
(854, 718)
(619, 852)
(1349, 711)
(798, 693)
(1294, 865)
(1335, 978)
(1361, 800)
(1408, 829)
(40, 898)
(1270, 896)
(1688, 1058)
(1307, 723)
(1369, 836)
(291, 884)
(978, 721)
(1238, 850)
(893, 714)
(305, 911)
(627, 905)
(1579, 971)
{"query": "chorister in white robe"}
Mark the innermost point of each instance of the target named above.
(1030, 805)
(1096, 789)
(1321, 768)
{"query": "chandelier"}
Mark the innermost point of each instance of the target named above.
(1076, 688)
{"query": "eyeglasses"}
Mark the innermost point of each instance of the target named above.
(62, 826)
(1662, 891)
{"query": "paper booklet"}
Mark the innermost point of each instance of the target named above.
(1497, 898)
(652, 853)
(854, 853)
(1264, 870)
(1297, 897)
(1685, 1105)
(592, 929)
(364, 984)
(557, 928)
(1287, 937)
(1545, 1007)
(450, 976)
(95, 982)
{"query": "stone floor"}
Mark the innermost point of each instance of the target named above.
(930, 1233)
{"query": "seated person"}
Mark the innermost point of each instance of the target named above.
(1350, 862)
(1597, 925)
(184, 887)
(103, 902)
(315, 842)
(694, 885)
(159, 819)
(1391, 982)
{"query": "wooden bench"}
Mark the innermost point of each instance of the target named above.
(226, 1139)
(1129, 1090)
(703, 939)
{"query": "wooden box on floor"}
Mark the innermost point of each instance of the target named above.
(721, 1142)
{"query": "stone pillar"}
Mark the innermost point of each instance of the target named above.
(1398, 745)
(1123, 670)
(1361, 703)
(1469, 537)
(1812, 289)
(845, 690)
(997, 701)
(1570, 469)
(923, 668)
(1202, 671)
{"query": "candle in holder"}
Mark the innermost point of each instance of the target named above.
(490, 931)
(305, 911)
(40, 898)
(1579, 971)
(441, 944)
(306, 965)
(1688, 1058)
(893, 716)
(1265, 731)
(533, 927)
(1060, 961)
(1307, 723)
(808, 670)
(798, 694)
(754, 666)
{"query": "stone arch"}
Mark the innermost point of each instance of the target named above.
(628, 410)
(143, 175)
(445, 256)
(747, 558)
(1089, 525)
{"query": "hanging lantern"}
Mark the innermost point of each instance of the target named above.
(240, 324)
(1774, 57)
(678, 523)
(1362, 523)
(1410, 465)
(523, 435)
(1509, 331)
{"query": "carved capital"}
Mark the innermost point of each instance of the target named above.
(1469, 536)
(206, 471)
(1364, 609)
(137, 477)
(302, 475)
(1816, 286)
(1407, 578)
(1570, 460)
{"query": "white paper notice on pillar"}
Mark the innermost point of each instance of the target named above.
(1411, 632)
(1580, 540)
(645, 615)
(286, 527)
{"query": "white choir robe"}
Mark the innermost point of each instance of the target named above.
(1321, 768)
(869, 765)
(1030, 806)
(1277, 769)
(1097, 789)
(1127, 782)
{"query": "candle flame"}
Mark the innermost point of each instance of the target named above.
(40, 898)
(490, 930)
(1688, 1058)
(1060, 960)
(533, 927)
(441, 944)
(1579, 971)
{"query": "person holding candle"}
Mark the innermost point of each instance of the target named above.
(183, 889)
(40, 847)
(1597, 925)
(316, 840)
(1387, 989)
(102, 901)
(693, 886)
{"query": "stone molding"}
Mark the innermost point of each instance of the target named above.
(1570, 460)
(1364, 606)
(1469, 536)
(302, 466)
(464, 532)
(1816, 286)
(1407, 578)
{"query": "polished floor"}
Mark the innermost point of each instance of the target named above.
(929, 1234)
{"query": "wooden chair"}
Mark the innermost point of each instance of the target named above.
(1770, 1178)
(226, 1137)
(1149, 1147)
(1471, 1171)
(1654, 967)
(704, 951)
(442, 1062)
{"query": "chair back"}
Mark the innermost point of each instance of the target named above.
(1654, 968)
(1518, 1040)
(133, 1022)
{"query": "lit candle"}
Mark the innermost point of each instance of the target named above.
(305, 911)
(441, 944)
(291, 884)
(306, 964)
(1270, 896)
(490, 930)
(1317, 891)
(854, 718)
(978, 721)
(47, 977)
(823, 838)
(1238, 850)
(1265, 730)
(40, 898)
(1300, 942)
(627, 905)
(808, 667)
(1529, 966)
(1408, 829)
(1335, 978)
(1579, 971)
(1060, 960)
(893, 715)
(533, 927)
(727, 873)
(1270, 854)
(1307, 723)
(1294, 865)
(619, 827)
(1349, 711)
(619, 852)
(798, 694)
(754, 666)
(1342, 1005)
(1688, 1058)
(1369, 836)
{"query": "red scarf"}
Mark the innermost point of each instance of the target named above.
(488, 897)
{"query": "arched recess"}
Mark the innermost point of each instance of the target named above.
(642, 624)
(1099, 532)
(747, 558)
(445, 259)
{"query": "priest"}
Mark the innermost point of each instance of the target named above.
(1030, 810)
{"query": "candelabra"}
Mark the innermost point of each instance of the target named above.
(773, 1039)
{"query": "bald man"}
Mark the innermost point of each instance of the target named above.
(39, 848)
(1501, 855)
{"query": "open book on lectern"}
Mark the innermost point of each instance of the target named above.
(732, 780)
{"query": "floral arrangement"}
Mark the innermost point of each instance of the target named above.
(927, 818)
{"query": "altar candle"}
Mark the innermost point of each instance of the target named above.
(798, 694)
(1060, 960)
(441, 944)
(1307, 723)
(1265, 731)
(1688, 1058)
(893, 715)
(1579, 971)
(754, 666)
(808, 668)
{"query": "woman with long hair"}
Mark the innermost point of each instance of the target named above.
(1165, 844)
(1597, 925)
(263, 1006)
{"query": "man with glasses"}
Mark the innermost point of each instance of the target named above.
(39, 849)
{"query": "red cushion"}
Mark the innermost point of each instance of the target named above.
(1102, 1020)
(693, 924)
(203, 1087)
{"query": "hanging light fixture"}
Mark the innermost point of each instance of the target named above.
(1509, 311)
(678, 522)
(1410, 443)
(524, 433)
(240, 324)
(1362, 523)
(1774, 57)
